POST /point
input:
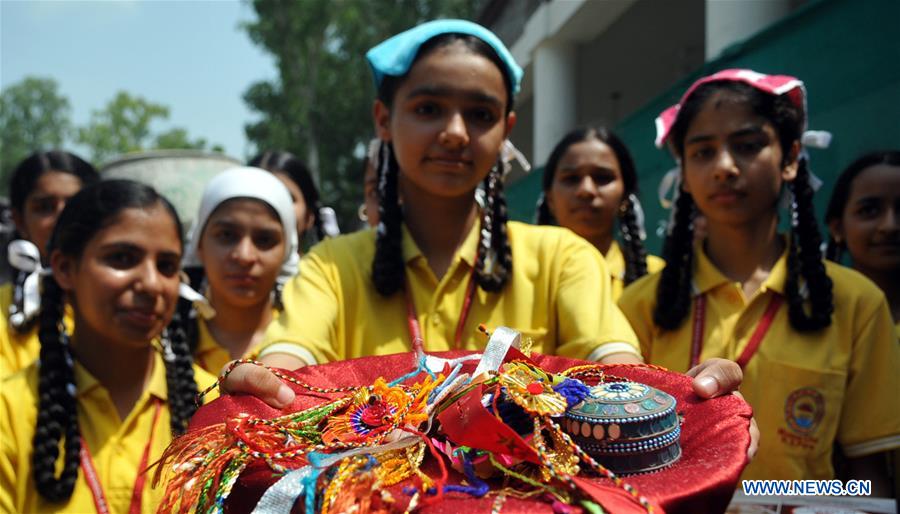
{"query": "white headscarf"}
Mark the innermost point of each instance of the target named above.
(257, 184)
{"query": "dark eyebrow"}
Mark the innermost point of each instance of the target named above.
(868, 199)
(749, 131)
(131, 247)
(474, 96)
(602, 169)
(739, 133)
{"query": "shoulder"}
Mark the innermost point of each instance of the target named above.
(356, 246)
(546, 238)
(640, 292)
(655, 263)
(851, 287)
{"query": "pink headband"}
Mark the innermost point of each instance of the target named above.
(772, 84)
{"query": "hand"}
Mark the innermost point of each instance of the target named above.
(717, 377)
(259, 382)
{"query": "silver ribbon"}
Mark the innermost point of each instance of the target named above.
(281, 496)
(25, 256)
(498, 346)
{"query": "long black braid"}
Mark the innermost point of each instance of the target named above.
(388, 268)
(92, 209)
(494, 265)
(805, 261)
(673, 294)
(633, 245)
(57, 418)
(180, 382)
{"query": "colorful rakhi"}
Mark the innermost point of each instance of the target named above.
(548, 429)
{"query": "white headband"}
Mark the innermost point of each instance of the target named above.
(247, 182)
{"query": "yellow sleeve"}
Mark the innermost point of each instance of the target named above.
(637, 302)
(8, 457)
(590, 324)
(311, 302)
(18, 412)
(654, 264)
(870, 418)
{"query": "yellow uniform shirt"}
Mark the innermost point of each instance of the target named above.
(211, 356)
(615, 261)
(558, 295)
(116, 446)
(808, 389)
(19, 350)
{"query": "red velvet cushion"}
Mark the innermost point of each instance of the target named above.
(714, 439)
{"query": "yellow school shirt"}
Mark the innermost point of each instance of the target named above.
(558, 296)
(116, 446)
(807, 390)
(19, 349)
(615, 261)
(211, 356)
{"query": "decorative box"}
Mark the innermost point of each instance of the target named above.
(628, 427)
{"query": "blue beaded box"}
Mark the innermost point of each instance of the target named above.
(628, 427)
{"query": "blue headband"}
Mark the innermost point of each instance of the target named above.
(394, 56)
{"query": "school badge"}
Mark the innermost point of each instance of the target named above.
(803, 412)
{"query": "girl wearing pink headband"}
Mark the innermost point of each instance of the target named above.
(815, 340)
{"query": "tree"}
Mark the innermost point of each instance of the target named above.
(123, 125)
(178, 138)
(33, 116)
(320, 106)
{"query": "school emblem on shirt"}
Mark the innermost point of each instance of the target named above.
(803, 412)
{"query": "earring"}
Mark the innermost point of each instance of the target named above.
(361, 212)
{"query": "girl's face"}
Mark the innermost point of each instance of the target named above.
(124, 287)
(43, 205)
(732, 162)
(587, 189)
(447, 122)
(242, 249)
(870, 225)
(302, 213)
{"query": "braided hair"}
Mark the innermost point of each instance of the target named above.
(841, 193)
(494, 265)
(807, 280)
(633, 245)
(278, 161)
(95, 207)
(23, 181)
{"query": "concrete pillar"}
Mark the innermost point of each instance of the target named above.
(555, 96)
(730, 21)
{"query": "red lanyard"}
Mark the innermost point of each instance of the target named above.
(93, 480)
(755, 339)
(412, 319)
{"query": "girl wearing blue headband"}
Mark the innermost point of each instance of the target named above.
(438, 264)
